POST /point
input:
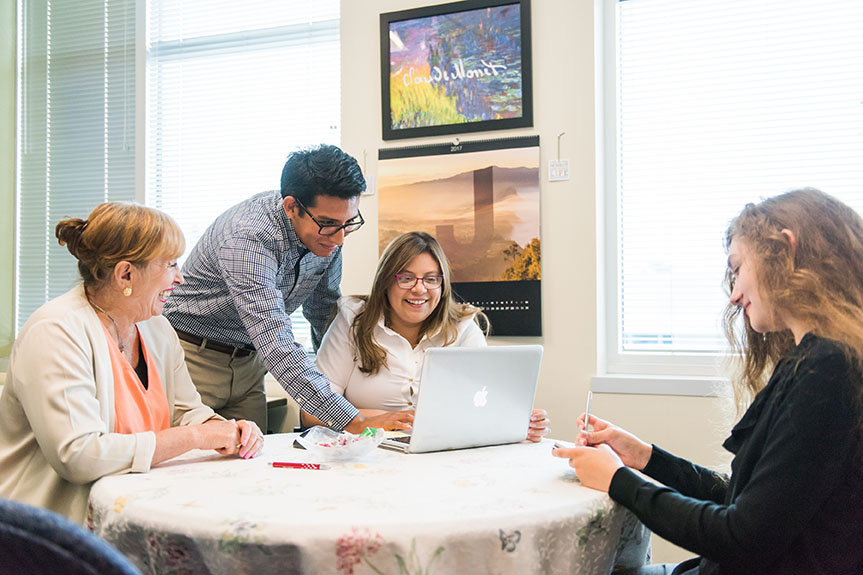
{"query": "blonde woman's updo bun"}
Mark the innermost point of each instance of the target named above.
(119, 231)
(69, 233)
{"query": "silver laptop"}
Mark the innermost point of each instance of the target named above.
(472, 397)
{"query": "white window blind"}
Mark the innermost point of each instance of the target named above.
(233, 87)
(718, 103)
(77, 125)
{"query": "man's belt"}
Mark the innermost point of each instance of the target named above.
(205, 343)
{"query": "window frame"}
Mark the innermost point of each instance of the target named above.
(139, 180)
(663, 373)
(840, 177)
(298, 320)
(34, 231)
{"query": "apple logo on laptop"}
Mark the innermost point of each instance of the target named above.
(480, 398)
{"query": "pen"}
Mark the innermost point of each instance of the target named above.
(293, 465)
(587, 410)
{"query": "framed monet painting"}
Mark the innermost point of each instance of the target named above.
(455, 68)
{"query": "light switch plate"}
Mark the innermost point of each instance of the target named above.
(371, 185)
(558, 170)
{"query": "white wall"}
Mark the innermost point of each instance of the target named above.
(564, 85)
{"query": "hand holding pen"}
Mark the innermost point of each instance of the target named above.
(582, 422)
(633, 452)
(601, 449)
(594, 464)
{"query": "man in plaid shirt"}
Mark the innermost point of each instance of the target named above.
(255, 265)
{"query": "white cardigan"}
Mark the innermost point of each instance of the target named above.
(57, 408)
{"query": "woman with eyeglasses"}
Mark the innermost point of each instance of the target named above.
(373, 351)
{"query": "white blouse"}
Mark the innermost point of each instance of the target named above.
(390, 389)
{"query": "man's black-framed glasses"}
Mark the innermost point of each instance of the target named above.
(332, 229)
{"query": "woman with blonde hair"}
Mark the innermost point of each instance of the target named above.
(373, 351)
(97, 384)
(794, 500)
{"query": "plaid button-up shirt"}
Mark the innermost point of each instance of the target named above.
(244, 278)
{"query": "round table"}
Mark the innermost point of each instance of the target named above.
(503, 509)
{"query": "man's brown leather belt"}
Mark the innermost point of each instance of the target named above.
(214, 345)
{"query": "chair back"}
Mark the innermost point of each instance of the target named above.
(35, 541)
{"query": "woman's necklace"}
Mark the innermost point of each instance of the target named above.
(120, 343)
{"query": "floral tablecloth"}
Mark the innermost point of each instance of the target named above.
(505, 509)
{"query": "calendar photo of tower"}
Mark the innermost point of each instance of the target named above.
(481, 201)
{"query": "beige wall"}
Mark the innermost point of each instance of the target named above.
(7, 177)
(563, 67)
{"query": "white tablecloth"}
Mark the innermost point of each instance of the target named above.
(505, 509)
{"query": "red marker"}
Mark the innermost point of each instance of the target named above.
(293, 465)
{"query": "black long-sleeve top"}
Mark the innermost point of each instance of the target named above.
(794, 500)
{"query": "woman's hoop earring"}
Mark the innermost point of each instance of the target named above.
(127, 291)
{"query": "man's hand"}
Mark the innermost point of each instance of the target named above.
(387, 420)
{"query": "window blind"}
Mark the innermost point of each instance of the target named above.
(720, 103)
(77, 125)
(233, 87)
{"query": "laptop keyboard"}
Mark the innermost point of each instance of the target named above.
(406, 439)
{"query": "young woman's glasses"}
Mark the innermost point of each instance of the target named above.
(408, 281)
(332, 229)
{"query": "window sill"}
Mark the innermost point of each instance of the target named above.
(692, 386)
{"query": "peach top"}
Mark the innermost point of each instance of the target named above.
(137, 409)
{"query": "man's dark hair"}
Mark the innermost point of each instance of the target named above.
(321, 170)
